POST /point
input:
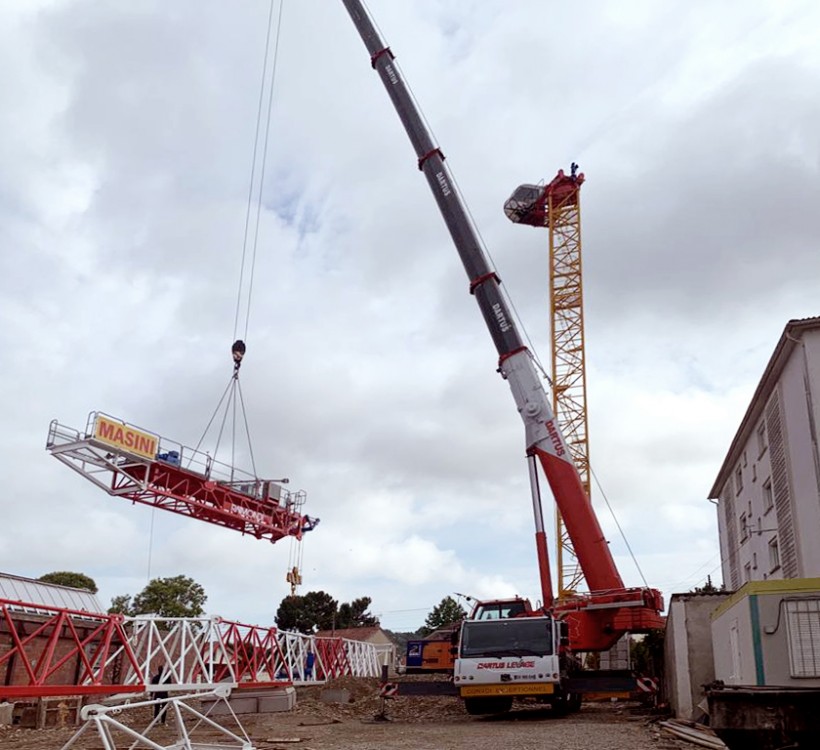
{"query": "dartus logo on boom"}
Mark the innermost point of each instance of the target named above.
(555, 437)
(442, 181)
(391, 74)
(503, 323)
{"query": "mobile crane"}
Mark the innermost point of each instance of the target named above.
(497, 658)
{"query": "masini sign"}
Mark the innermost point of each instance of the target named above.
(127, 438)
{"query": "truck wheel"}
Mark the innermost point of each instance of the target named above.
(573, 702)
(484, 706)
(566, 704)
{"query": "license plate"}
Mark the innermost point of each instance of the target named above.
(536, 688)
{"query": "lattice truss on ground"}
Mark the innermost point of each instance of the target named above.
(193, 729)
(50, 651)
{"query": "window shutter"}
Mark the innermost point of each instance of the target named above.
(803, 627)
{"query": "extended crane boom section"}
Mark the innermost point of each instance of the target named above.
(543, 436)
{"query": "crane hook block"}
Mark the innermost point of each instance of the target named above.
(238, 351)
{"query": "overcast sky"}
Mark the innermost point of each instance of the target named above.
(126, 138)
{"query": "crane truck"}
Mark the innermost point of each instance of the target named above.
(533, 655)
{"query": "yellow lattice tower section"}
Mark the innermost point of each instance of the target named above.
(569, 393)
(558, 207)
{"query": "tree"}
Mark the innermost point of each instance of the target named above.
(121, 605)
(709, 587)
(355, 614)
(314, 611)
(447, 612)
(318, 610)
(73, 580)
(179, 596)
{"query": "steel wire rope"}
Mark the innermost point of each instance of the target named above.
(460, 192)
(698, 570)
(253, 186)
(618, 524)
(259, 192)
(295, 560)
(211, 420)
(234, 381)
(474, 225)
(233, 427)
(626, 542)
(724, 559)
(247, 428)
(222, 427)
(264, 161)
(252, 180)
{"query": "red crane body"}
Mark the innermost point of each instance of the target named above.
(598, 619)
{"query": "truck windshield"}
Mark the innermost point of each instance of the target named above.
(524, 636)
(499, 610)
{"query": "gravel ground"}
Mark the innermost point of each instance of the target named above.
(417, 723)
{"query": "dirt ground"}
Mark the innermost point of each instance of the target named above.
(413, 722)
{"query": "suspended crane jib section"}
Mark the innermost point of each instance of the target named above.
(529, 204)
(138, 465)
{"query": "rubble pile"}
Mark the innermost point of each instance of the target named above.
(364, 703)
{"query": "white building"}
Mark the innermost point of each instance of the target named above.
(768, 489)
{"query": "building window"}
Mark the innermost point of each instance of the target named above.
(738, 480)
(747, 572)
(754, 472)
(744, 528)
(803, 629)
(774, 555)
(745, 462)
(754, 560)
(768, 496)
(761, 438)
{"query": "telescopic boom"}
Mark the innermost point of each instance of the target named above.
(543, 436)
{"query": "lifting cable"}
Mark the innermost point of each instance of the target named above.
(491, 261)
(252, 182)
(620, 528)
(233, 391)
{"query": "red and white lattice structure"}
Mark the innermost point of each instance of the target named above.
(47, 650)
(140, 466)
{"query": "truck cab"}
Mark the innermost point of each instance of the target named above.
(503, 658)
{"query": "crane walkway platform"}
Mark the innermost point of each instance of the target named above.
(143, 467)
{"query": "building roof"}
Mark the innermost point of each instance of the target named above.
(774, 586)
(789, 339)
(685, 596)
(352, 634)
(28, 591)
